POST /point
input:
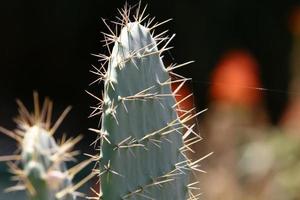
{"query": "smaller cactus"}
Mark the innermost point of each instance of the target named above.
(40, 166)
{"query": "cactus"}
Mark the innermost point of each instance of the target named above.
(143, 142)
(40, 167)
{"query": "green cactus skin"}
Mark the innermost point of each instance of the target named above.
(42, 170)
(37, 153)
(127, 115)
(142, 148)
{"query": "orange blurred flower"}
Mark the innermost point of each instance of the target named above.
(235, 79)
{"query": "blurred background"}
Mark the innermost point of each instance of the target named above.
(247, 73)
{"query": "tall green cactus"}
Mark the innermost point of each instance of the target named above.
(42, 170)
(143, 142)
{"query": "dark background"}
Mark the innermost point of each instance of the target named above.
(46, 46)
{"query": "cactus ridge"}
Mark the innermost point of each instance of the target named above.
(143, 142)
(40, 167)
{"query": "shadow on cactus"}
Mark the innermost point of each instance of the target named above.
(143, 142)
(39, 165)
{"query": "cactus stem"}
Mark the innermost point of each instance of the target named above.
(42, 172)
(127, 128)
(128, 143)
(157, 181)
(160, 132)
(145, 96)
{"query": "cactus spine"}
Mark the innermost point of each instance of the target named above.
(143, 142)
(42, 170)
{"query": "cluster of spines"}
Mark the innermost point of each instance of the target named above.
(41, 118)
(189, 137)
